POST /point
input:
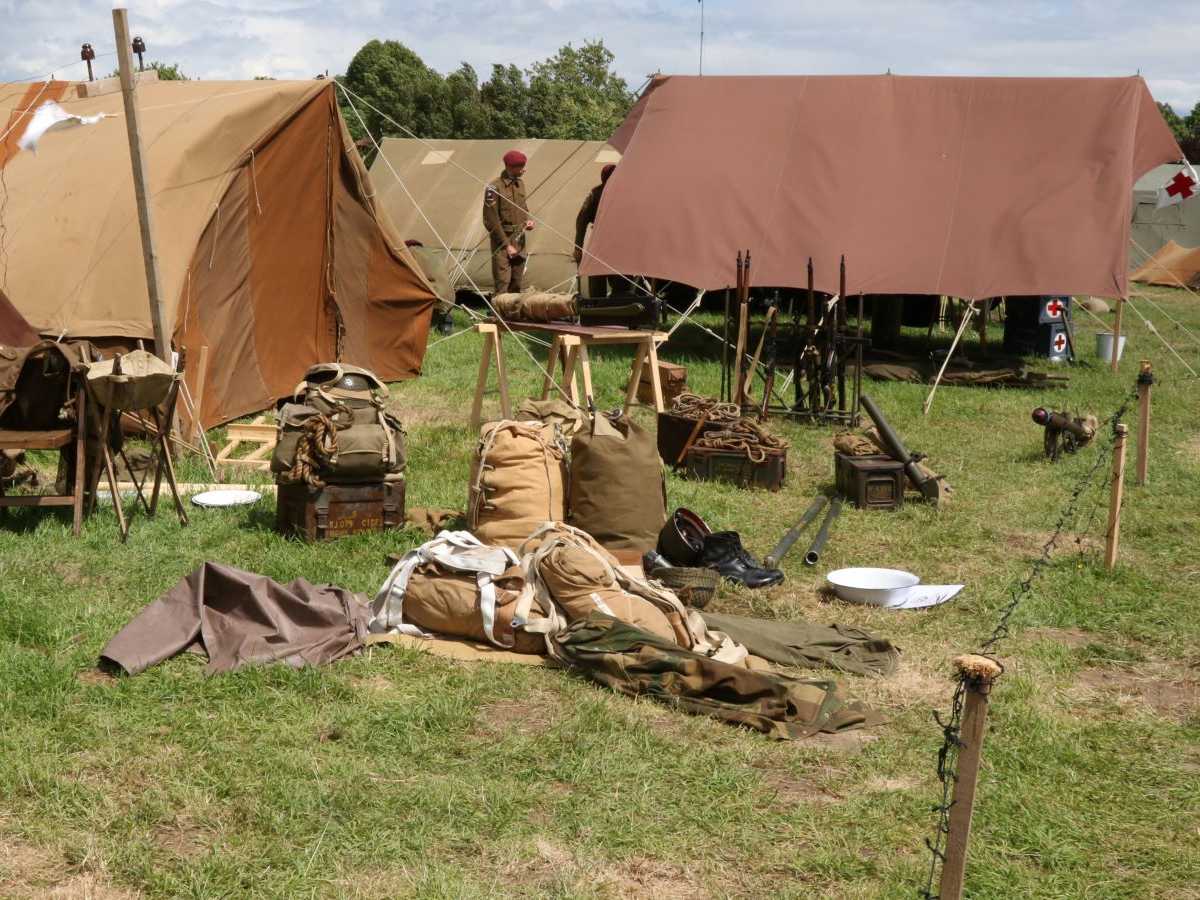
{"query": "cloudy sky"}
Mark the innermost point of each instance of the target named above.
(291, 38)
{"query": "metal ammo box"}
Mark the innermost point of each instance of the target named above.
(338, 509)
(734, 466)
(870, 482)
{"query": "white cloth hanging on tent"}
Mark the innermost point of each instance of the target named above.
(51, 116)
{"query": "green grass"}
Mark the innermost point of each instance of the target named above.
(398, 774)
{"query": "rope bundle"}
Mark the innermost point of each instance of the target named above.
(742, 436)
(693, 406)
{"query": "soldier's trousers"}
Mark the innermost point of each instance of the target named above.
(506, 273)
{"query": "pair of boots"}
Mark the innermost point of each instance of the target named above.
(686, 540)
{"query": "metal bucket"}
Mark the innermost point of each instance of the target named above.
(1104, 346)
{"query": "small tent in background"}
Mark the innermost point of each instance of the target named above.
(14, 330)
(1153, 228)
(445, 178)
(271, 251)
(1172, 266)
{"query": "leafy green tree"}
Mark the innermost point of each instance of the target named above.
(505, 97)
(165, 72)
(468, 115)
(394, 80)
(576, 95)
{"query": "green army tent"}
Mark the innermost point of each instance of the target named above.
(437, 186)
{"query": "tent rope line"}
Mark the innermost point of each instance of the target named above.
(477, 180)
(544, 370)
(1150, 327)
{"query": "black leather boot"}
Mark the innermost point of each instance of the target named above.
(723, 551)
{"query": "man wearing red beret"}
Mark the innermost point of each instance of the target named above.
(506, 219)
(598, 285)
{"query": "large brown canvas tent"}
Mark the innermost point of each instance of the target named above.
(1172, 266)
(445, 178)
(972, 187)
(271, 252)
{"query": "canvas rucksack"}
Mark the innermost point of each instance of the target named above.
(337, 429)
(568, 567)
(618, 487)
(454, 585)
(517, 481)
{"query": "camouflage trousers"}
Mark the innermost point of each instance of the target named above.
(636, 663)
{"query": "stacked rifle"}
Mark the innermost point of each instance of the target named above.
(821, 349)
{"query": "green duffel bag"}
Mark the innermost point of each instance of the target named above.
(291, 419)
(367, 453)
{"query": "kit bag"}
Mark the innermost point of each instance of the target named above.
(337, 429)
(618, 487)
(455, 585)
(517, 481)
(568, 568)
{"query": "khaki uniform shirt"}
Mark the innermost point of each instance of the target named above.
(587, 213)
(504, 209)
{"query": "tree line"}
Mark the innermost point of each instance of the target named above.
(572, 95)
(1186, 129)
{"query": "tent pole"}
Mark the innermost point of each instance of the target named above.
(966, 320)
(162, 344)
(1116, 344)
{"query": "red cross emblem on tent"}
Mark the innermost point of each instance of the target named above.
(1054, 308)
(1060, 342)
(1181, 186)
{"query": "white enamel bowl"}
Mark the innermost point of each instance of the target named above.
(878, 587)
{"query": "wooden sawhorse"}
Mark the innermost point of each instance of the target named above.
(568, 348)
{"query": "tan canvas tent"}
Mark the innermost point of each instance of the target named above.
(446, 178)
(971, 187)
(271, 251)
(1172, 266)
(14, 330)
(1152, 227)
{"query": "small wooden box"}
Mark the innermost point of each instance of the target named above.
(672, 377)
(736, 468)
(870, 482)
(338, 509)
(673, 433)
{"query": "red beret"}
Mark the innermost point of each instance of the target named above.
(607, 170)
(515, 158)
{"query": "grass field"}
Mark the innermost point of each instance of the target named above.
(398, 774)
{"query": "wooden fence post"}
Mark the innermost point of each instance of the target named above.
(1145, 380)
(1116, 345)
(1113, 535)
(979, 674)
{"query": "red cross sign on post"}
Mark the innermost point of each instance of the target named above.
(1060, 342)
(1054, 309)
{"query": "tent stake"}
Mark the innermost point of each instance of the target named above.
(162, 344)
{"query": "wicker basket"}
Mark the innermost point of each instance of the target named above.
(695, 587)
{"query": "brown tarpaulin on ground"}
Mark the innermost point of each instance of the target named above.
(14, 330)
(971, 187)
(1172, 265)
(271, 250)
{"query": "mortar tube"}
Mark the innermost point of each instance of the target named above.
(822, 536)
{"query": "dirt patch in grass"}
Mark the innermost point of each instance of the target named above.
(651, 879)
(374, 684)
(888, 785)
(1029, 544)
(27, 871)
(842, 742)
(1172, 694)
(71, 573)
(790, 790)
(96, 676)
(182, 839)
(530, 715)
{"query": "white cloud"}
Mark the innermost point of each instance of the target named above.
(299, 38)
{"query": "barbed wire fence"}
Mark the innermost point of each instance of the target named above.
(1088, 492)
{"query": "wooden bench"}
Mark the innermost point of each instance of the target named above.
(55, 439)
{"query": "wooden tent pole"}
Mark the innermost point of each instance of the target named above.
(1113, 536)
(1116, 343)
(158, 317)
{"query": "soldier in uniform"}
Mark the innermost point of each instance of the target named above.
(506, 220)
(598, 285)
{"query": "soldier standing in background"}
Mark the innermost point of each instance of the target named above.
(506, 220)
(598, 285)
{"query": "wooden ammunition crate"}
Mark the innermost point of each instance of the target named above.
(736, 468)
(672, 377)
(869, 482)
(338, 509)
(673, 432)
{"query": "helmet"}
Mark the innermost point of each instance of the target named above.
(681, 540)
